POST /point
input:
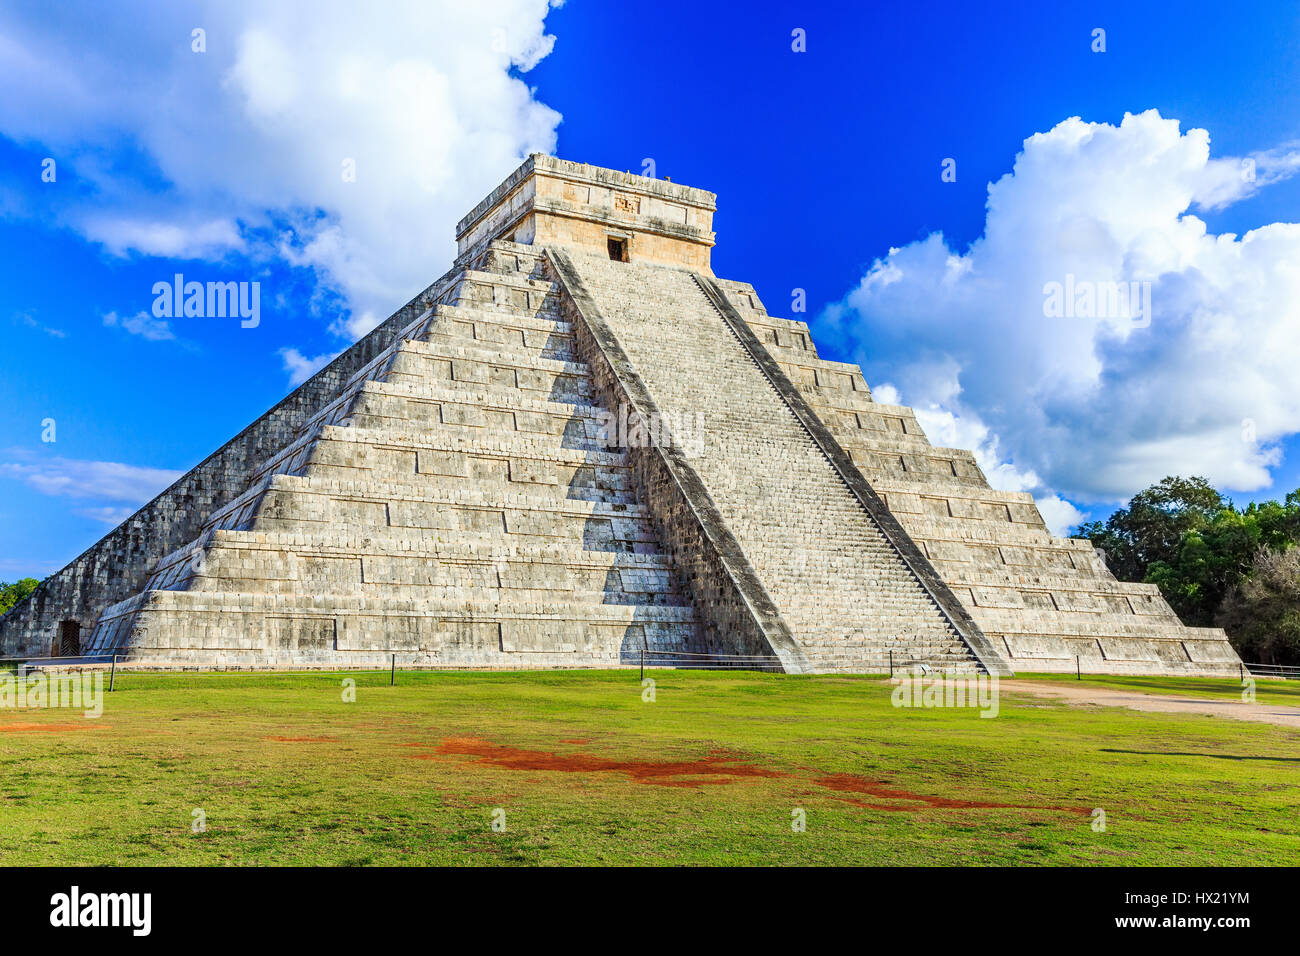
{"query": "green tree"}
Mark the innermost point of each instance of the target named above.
(1262, 611)
(1151, 528)
(1204, 555)
(1205, 564)
(11, 594)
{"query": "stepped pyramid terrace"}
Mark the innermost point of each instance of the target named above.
(578, 445)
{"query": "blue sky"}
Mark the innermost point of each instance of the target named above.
(224, 165)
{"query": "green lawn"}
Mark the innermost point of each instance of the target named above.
(286, 772)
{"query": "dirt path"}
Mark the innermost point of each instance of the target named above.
(1279, 714)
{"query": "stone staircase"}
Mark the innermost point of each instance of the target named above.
(840, 586)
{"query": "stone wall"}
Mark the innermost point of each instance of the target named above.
(454, 506)
(119, 564)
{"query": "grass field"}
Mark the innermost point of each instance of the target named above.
(286, 772)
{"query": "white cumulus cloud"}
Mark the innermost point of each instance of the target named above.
(142, 324)
(80, 478)
(1098, 397)
(341, 136)
(110, 515)
(300, 367)
(171, 240)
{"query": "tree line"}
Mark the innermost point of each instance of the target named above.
(1216, 565)
(11, 594)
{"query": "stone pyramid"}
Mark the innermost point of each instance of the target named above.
(579, 446)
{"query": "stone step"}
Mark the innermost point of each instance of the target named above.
(496, 320)
(469, 356)
(508, 583)
(481, 492)
(966, 574)
(472, 631)
(831, 572)
(462, 548)
(474, 610)
(484, 395)
(598, 525)
(958, 532)
(376, 409)
(363, 449)
(1080, 624)
(509, 258)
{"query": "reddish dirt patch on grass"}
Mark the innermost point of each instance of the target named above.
(577, 740)
(52, 728)
(910, 802)
(303, 740)
(664, 773)
(718, 767)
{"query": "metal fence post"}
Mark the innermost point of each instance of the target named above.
(643, 663)
(112, 673)
(1078, 670)
(891, 663)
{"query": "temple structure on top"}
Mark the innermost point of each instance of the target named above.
(550, 202)
(579, 445)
